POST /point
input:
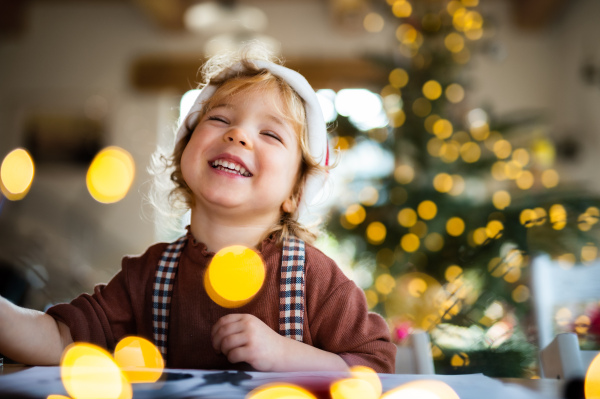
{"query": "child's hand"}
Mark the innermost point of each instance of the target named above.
(245, 338)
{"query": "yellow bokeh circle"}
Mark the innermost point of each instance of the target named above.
(427, 210)
(16, 174)
(139, 359)
(353, 388)
(280, 390)
(89, 372)
(234, 276)
(110, 175)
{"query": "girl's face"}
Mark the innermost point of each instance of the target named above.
(243, 158)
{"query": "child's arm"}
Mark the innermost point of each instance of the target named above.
(31, 337)
(245, 338)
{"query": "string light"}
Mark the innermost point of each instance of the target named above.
(398, 78)
(455, 226)
(427, 210)
(404, 174)
(432, 90)
(407, 217)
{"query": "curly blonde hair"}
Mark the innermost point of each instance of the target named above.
(225, 73)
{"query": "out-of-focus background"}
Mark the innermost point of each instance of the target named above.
(468, 132)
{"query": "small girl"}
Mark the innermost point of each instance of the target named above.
(248, 160)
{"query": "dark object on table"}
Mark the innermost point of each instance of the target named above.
(574, 389)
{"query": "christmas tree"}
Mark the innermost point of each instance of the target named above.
(449, 235)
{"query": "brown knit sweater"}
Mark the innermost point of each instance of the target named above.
(336, 318)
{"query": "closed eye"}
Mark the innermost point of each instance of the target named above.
(273, 135)
(217, 118)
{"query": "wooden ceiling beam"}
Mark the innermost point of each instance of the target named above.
(180, 73)
(168, 14)
(536, 14)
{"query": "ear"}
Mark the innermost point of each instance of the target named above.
(288, 205)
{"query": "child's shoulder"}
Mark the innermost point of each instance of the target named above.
(148, 260)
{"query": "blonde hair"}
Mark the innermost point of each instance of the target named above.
(225, 73)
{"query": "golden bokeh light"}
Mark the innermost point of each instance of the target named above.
(480, 235)
(376, 233)
(450, 151)
(16, 174)
(591, 385)
(434, 242)
(462, 137)
(397, 118)
(550, 178)
(421, 107)
(89, 372)
(385, 283)
(470, 152)
(558, 216)
(513, 170)
(589, 252)
(458, 185)
(407, 217)
(525, 180)
(422, 389)
(368, 196)
(434, 146)
(427, 210)
(527, 217)
(280, 390)
(494, 229)
(410, 242)
(110, 175)
(355, 214)
(498, 170)
(373, 22)
(454, 42)
(442, 182)
(497, 267)
(502, 149)
(455, 93)
(455, 226)
(480, 131)
(432, 90)
(139, 359)
(417, 287)
(352, 388)
(430, 121)
(404, 174)
(521, 294)
(367, 374)
(452, 273)
(462, 57)
(501, 199)
(234, 276)
(563, 316)
(521, 156)
(582, 324)
(401, 8)
(540, 216)
(460, 359)
(398, 78)
(442, 128)
(512, 275)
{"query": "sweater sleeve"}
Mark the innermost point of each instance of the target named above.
(340, 322)
(108, 315)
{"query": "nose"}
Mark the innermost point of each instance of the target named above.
(237, 135)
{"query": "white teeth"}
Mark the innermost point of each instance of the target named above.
(230, 167)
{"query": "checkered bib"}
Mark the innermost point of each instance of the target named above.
(291, 290)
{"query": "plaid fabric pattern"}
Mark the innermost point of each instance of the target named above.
(162, 292)
(291, 291)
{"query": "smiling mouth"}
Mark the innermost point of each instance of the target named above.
(230, 167)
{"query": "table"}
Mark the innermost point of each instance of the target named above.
(39, 382)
